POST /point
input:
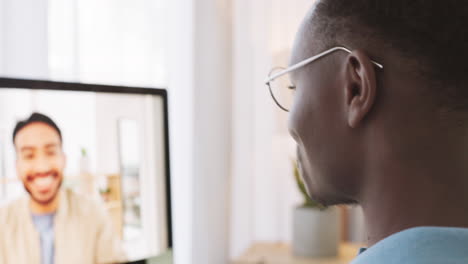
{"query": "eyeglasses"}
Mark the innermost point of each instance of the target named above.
(280, 86)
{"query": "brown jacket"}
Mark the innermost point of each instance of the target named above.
(82, 229)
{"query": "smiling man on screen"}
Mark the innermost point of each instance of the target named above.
(51, 225)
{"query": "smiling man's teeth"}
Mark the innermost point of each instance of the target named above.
(43, 181)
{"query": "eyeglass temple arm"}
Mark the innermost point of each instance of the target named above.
(309, 60)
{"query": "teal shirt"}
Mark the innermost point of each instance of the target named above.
(419, 245)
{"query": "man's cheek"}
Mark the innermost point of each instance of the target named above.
(297, 126)
(58, 169)
(23, 173)
(59, 164)
(294, 124)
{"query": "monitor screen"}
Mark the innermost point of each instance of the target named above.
(84, 173)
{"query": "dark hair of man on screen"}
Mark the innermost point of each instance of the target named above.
(36, 118)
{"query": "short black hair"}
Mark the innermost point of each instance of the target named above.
(34, 118)
(430, 34)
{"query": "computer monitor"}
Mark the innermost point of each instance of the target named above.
(84, 173)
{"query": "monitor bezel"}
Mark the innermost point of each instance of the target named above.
(16, 83)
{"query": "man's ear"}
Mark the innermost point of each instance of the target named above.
(360, 87)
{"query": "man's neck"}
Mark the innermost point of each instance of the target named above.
(406, 198)
(39, 209)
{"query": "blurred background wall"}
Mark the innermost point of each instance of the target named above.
(231, 154)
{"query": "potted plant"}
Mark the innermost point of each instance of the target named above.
(316, 229)
(105, 193)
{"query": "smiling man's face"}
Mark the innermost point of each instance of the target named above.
(40, 161)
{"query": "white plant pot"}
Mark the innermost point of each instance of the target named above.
(316, 233)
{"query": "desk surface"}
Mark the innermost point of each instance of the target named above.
(278, 253)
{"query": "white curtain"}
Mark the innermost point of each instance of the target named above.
(108, 41)
(263, 189)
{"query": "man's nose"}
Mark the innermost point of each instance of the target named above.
(41, 165)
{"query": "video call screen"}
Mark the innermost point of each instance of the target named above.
(83, 175)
